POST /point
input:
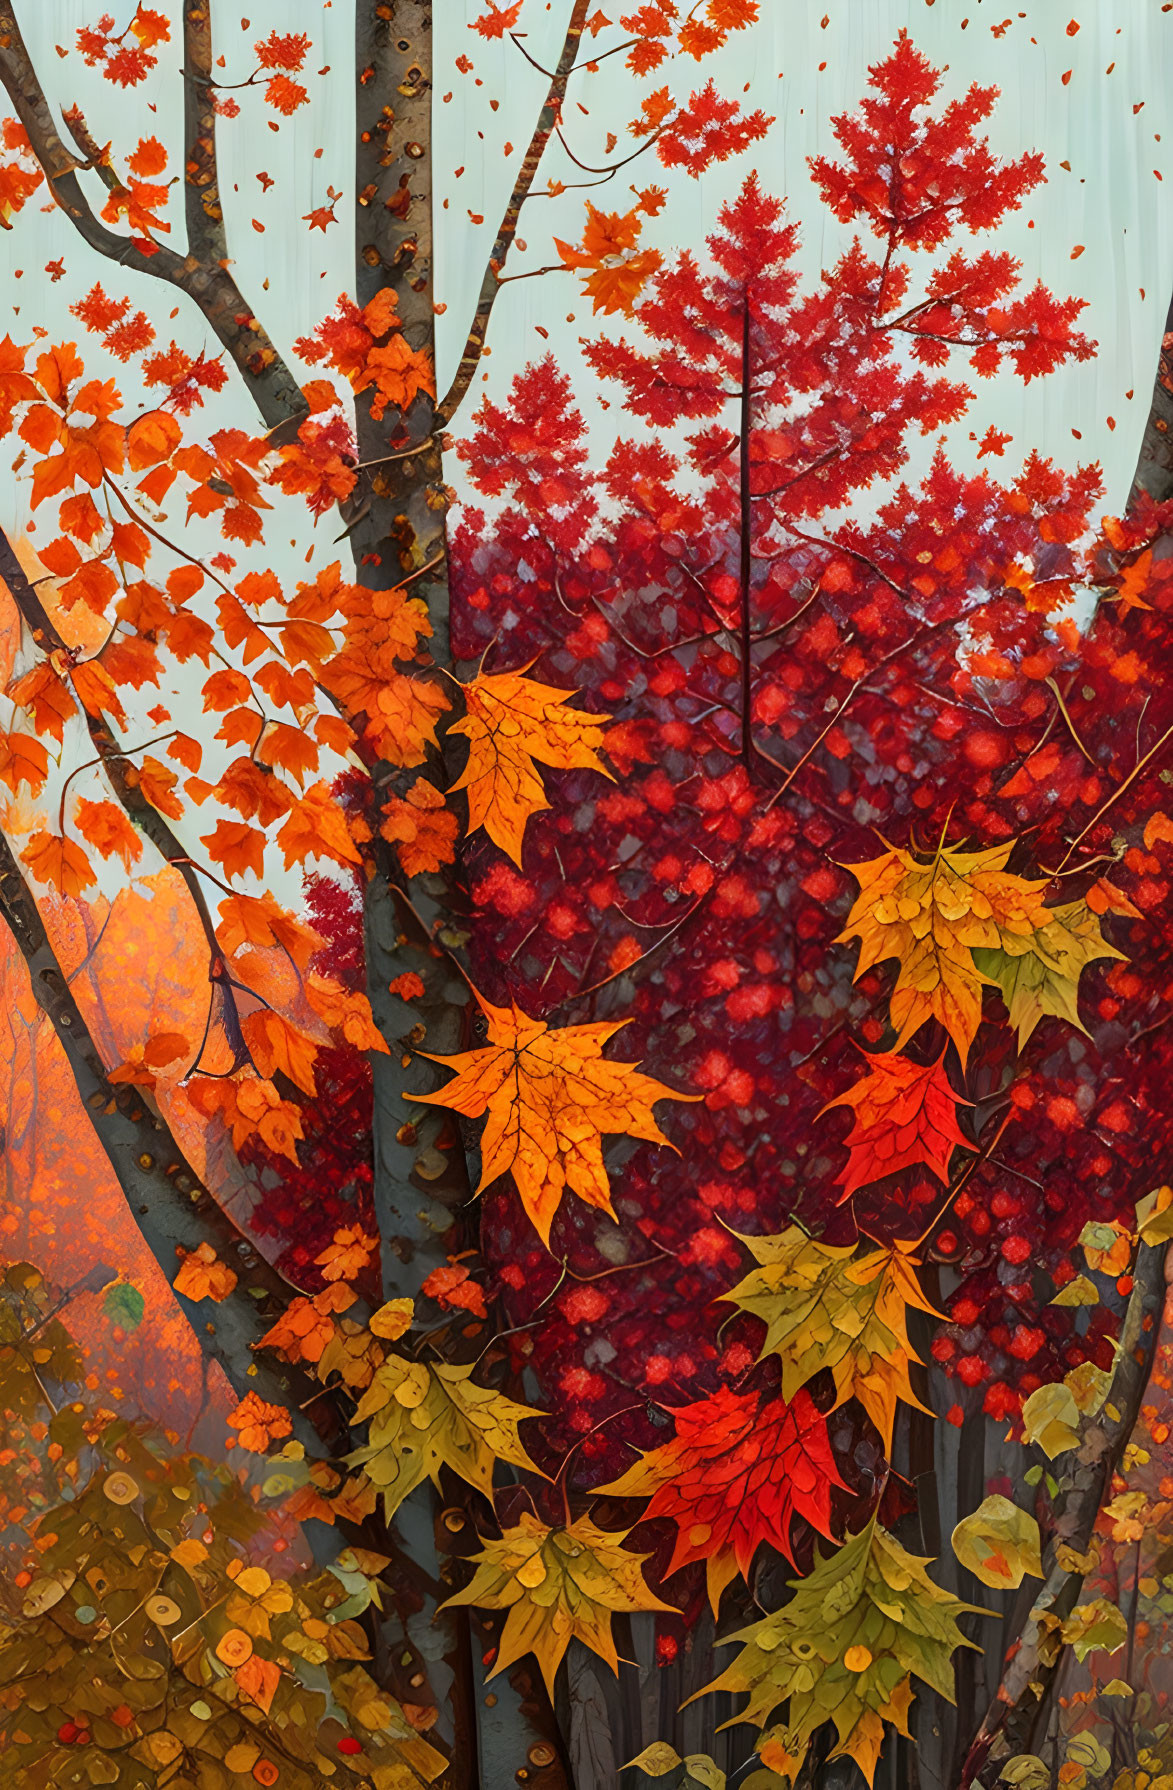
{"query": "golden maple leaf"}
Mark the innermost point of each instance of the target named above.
(933, 915)
(558, 1585)
(427, 1416)
(828, 1307)
(1039, 975)
(550, 1096)
(510, 721)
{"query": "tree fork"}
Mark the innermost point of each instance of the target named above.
(198, 273)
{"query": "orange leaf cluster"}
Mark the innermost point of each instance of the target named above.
(258, 1423)
(251, 1108)
(202, 1275)
(422, 828)
(616, 271)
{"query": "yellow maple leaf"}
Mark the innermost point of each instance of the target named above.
(427, 1416)
(1039, 975)
(558, 1585)
(550, 1096)
(510, 721)
(933, 915)
(828, 1307)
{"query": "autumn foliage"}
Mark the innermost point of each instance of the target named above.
(802, 844)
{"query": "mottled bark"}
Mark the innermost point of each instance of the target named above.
(202, 209)
(1028, 1675)
(273, 388)
(1154, 466)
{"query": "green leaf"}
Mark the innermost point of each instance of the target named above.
(859, 1628)
(1039, 974)
(1026, 1771)
(655, 1760)
(1097, 1626)
(124, 1305)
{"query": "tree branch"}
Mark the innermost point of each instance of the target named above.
(487, 297)
(172, 1207)
(1033, 1661)
(203, 212)
(272, 386)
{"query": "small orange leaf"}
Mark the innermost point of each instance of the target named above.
(203, 1275)
(258, 1678)
(61, 863)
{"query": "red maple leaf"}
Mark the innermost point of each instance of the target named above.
(905, 1116)
(497, 21)
(740, 1468)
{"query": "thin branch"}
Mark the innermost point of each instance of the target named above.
(490, 284)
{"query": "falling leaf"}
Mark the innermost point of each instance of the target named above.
(825, 1307)
(845, 1648)
(510, 722)
(558, 1584)
(999, 1544)
(550, 1096)
(1097, 1626)
(204, 1276)
(905, 1116)
(741, 1467)
(425, 1416)
(1050, 1417)
(1039, 974)
(617, 269)
(933, 916)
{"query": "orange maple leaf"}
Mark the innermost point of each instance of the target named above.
(108, 830)
(618, 273)
(260, 920)
(549, 1096)
(237, 846)
(422, 828)
(510, 721)
(252, 1107)
(23, 759)
(317, 828)
(305, 1327)
(398, 372)
(348, 1254)
(932, 915)
(61, 863)
(905, 1115)
(275, 1044)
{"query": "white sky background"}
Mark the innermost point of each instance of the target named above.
(1110, 202)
